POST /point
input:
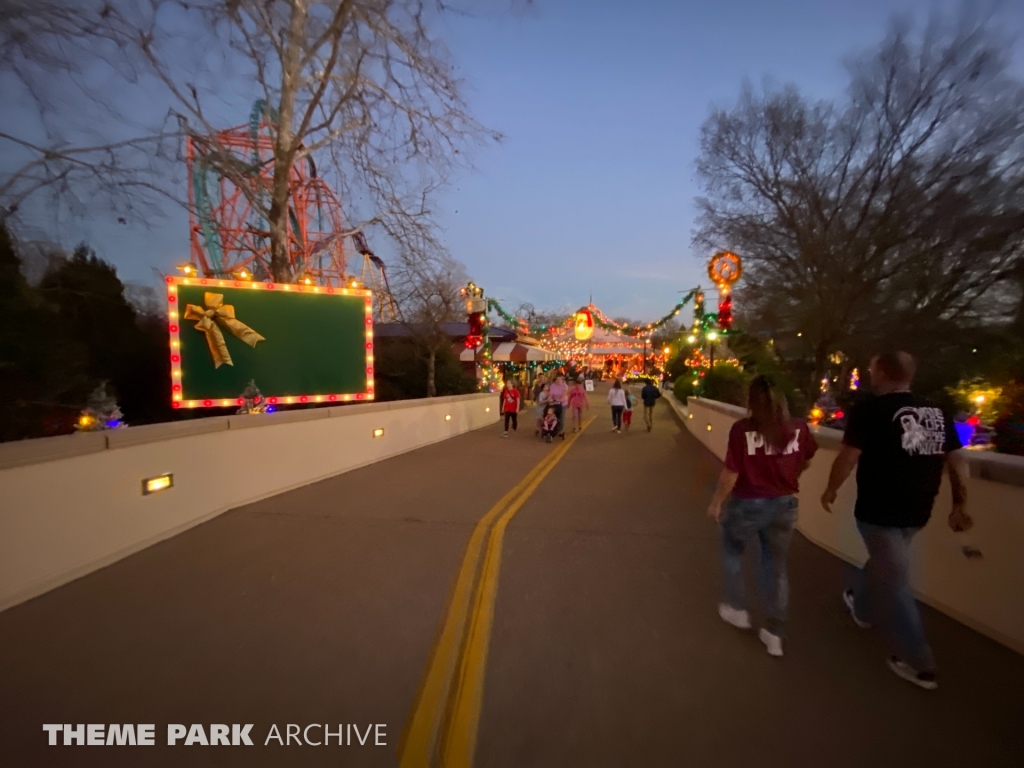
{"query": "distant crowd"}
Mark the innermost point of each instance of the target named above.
(553, 401)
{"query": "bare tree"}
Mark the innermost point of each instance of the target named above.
(365, 82)
(902, 206)
(426, 288)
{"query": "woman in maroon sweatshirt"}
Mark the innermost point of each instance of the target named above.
(767, 453)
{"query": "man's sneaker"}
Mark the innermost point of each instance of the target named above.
(924, 680)
(848, 602)
(504, 434)
(772, 642)
(739, 619)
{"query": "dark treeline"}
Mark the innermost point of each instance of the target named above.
(71, 332)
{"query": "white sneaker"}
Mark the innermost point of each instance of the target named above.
(504, 434)
(772, 642)
(924, 680)
(848, 601)
(739, 619)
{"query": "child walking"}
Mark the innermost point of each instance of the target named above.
(577, 402)
(510, 400)
(627, 412)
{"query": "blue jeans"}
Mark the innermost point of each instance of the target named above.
(772, 520)
(882, 594)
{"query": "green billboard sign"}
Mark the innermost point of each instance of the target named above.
(298, 343)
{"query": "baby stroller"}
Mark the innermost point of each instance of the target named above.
(559, 413)
(548, 424)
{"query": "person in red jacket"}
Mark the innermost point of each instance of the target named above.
(510, 402)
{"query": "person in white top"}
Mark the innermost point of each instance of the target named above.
(617, 400)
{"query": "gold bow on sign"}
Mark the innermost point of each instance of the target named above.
(218, 314)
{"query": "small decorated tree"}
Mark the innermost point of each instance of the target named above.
(252, 399)
(101, 412)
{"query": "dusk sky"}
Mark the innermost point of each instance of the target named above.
(601, 102)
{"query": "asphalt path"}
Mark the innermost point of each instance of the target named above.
(594, 640)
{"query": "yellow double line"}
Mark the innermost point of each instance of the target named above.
(441, 731)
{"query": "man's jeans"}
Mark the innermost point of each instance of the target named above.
(772, 520)
(882, 594)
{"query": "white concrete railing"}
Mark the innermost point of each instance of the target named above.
(985, 591)
(73, 504)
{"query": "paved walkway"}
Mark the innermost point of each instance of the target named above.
(325, 605)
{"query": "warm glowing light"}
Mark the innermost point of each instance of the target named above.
(378, 432)
(447, 417)
(188, 269)
(817, 413)
(665, 351)
(242, 275)
(159, 483)
(691, 338)
(176, 372)
(712, 335)
(86, 421)
(487, 409)
(799, 335)
(979, 399)
(690, 416)
(709, 427)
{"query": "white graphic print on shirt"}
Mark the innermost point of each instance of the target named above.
(924, 430)
(755, 440)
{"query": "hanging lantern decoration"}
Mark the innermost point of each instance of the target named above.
(725, 268)
(584, 325)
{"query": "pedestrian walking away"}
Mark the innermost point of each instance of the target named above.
(510, 402)
(899, 444)
(766, 454)
(617, 400)
(559, 399)
(649, 394)
(577, 403)
(627, 411)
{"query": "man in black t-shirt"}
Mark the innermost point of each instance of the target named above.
(900, 444)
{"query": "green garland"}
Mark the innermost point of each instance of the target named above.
(642, 330)
(609, 325)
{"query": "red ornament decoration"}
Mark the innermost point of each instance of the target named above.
(476, 311)
(725, 312)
